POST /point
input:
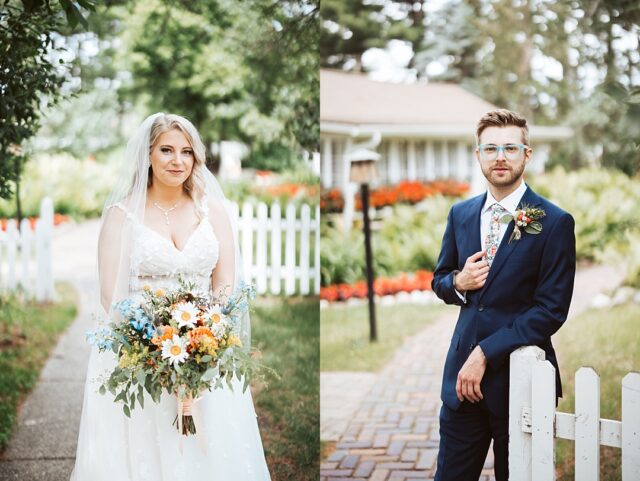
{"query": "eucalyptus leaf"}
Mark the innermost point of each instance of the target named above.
(126, 410)
(505, 219)
(102, 390)
(207, 358)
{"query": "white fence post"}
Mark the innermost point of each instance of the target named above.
(520, 377)
(12, 252)
(631, 427)
(305, 239)
(276, 248)
(587, 430)
(543, 410)
(246, 224)
(25, 255)
(261, 248)
(290, 250)
(316, 254)
(44, 233)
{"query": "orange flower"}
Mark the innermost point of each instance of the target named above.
(198, 332)
(167, 333)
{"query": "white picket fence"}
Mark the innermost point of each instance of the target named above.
(26, 257)
(276, 249)
(534, 422)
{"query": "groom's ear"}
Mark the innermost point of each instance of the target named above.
(528, 155)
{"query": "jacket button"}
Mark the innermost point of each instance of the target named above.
(471, 346)
(481, 307)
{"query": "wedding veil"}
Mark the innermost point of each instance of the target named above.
(116, 242)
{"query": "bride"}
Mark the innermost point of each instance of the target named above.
(166, 218)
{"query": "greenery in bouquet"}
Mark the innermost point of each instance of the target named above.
(178, 341)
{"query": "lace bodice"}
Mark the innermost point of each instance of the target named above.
(157, 262)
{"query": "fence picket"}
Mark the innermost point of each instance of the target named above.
(246, 224)
(276, 248)
(587, 425)
(543, 407)
(631, 427)
(44, 235)
(305, 215)
(316, 254)
(25, 255)
(290, 250)
(261, 249)
(12, 252)
(520, 398)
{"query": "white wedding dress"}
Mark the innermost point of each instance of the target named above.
(146, 447)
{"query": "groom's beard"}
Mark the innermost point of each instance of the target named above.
(510, 174)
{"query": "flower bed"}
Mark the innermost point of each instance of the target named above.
(57, 220)
(407, 192)
(382, 286)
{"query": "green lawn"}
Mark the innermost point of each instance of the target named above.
(286, 332)
(28, 333)
(344, 334)
(608, 341)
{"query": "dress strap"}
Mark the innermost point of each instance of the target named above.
(128, 214)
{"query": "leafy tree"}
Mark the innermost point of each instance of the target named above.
(29, 78)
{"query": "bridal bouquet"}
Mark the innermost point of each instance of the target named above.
(178, 341)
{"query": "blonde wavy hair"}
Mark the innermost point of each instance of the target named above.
(194, 186)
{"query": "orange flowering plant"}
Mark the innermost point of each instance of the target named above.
(178, 341)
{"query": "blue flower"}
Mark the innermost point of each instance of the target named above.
(101, 338)
(138, 319)
(149, 330)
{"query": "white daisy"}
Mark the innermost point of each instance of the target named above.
(175, 349)
(185, 314)
(215, 315)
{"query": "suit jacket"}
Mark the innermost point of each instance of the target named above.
(524, 300)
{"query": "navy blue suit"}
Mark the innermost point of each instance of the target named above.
(524, 300)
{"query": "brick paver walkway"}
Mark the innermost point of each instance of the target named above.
(393, 435)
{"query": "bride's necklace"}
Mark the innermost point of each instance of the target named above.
(166, 211)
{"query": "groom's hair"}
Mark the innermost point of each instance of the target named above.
(503, 118)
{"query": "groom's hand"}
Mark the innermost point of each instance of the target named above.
(469, 377)
(474, 273)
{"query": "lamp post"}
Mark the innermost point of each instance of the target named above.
(363, 171)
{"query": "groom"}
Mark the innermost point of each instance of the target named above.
(513, 285)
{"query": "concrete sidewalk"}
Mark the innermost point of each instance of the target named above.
(43, 447)
(393, 433)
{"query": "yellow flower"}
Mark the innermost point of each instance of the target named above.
(146, 288)
(159, 293)
(234, 341)
(208, 345)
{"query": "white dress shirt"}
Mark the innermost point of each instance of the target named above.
(509, 203)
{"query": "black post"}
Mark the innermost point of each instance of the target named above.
(364, 193)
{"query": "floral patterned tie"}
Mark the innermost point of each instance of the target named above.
(493, 237)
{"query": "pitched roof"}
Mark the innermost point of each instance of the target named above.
(356, 99)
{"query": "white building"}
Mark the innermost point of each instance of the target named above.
(423, 131)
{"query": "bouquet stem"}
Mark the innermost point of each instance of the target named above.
(188, 426)
(184, 420)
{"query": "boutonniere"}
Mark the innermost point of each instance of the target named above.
(527, 218)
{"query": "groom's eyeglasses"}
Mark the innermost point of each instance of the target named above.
(489, 152)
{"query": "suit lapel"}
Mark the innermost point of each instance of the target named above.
(472, 224)
(531, 199)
